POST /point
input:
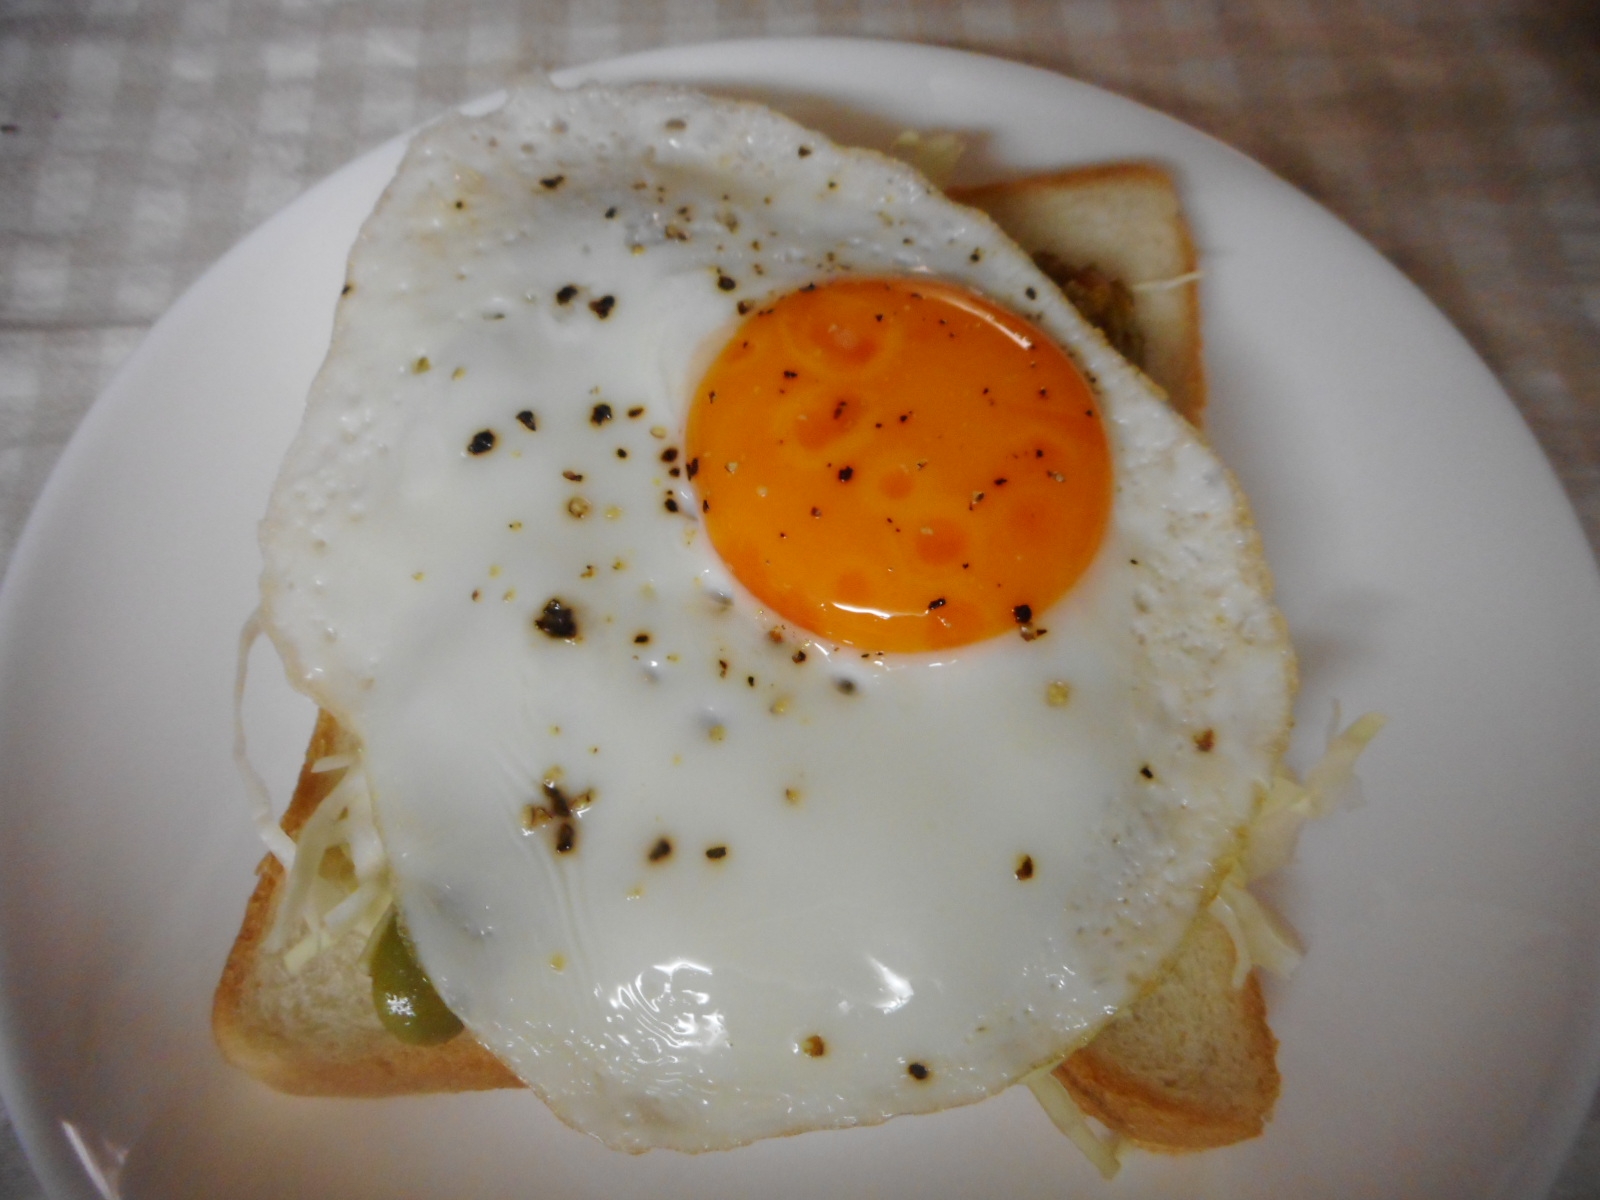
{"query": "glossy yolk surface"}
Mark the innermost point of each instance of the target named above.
(899, 465)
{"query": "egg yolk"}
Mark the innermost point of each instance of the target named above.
(898, 464)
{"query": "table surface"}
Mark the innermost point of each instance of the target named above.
(139, 139)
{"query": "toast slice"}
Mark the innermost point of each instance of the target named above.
(1115, 239)
(317, 1033)
(1192, 1065)
(1189, 1065)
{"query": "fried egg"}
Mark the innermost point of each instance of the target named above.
(803, 675)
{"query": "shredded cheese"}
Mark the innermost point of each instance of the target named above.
(1259, 938)
(321, 903)
(278, 842)
(1165, 285)
(934, 154)
(1104, 1152)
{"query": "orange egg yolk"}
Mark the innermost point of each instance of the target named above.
(898, 464)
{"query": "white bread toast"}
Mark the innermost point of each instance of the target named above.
(317, 1033)
(1189, 1065)
(1192, 1064)
(1120, 222)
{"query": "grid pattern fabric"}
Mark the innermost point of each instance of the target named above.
(139, 139)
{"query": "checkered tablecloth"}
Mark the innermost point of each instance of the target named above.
(139, 139)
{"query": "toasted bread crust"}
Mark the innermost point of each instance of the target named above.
(317, 1033)
(1127, 220)
(1192, 1064)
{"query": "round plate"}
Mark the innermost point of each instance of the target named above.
(1441, 1038)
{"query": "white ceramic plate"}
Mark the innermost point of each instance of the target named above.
(1441, 1039)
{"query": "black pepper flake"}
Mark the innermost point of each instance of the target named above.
(1031, 293)
(611, 212)
(557, 621)
(1147, 772)
(796, 375)
(846, 474)
(621, 453)
(553, 182)
(692, 467)
(815, 511)
(641, 639)
(805, 151)
(527, 420)
(1205, 741)
(727, 282)
(799, 656)
(1001, 482)
(567, 294)
(937, 603)
(347, 289)
(917, 1071)
(566, 837)
(715, 852)
(744, 306)
(670, 454)
(559, 804)
(482, 442)
(603, 306)
(662, 849)
(1023, 613)
(1025, 867)
(671, 504)
(600, 414)
(845, 686)
(572, 476)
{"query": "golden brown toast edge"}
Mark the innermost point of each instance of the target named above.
(1212, 1079)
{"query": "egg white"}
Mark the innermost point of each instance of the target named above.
(872, 812)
